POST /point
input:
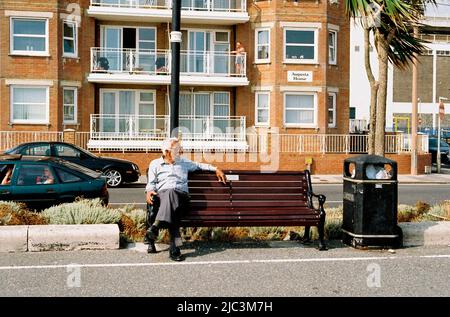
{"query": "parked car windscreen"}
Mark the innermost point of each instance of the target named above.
(80, 168)
(433, 143)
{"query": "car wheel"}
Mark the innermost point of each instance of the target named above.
(113, 178)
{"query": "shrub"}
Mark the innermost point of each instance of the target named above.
(82, 212)
(406, 213)
(422, 208)
(442, 211)
(132, 224)
(12, 213)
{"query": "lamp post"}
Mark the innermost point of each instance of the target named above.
(438, 154)
(414, 111)
(175, 42)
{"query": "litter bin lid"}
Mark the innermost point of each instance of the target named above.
(367, 167)
(370, 159)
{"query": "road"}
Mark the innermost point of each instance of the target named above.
(408, 194)
(283, 268)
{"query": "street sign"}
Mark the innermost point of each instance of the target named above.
(441, 110)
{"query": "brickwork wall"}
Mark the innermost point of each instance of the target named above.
(322, 164)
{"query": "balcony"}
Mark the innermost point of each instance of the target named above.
(146, 132)
(198, 68)
(215, 12)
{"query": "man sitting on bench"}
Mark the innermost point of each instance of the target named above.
(168, 182)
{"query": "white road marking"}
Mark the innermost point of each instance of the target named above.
(109, 265)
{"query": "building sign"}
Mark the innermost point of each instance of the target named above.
(299, 76)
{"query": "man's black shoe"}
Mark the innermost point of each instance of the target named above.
(146, 240)
(175, 254)
(151, 247)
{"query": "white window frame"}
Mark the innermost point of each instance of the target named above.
(332, 60)
(257, 123)
(74, 38)
(257, 45)
(18, 121)
(75, 105)
(28, 53)
(334, 95)
(316, 46)
(300, 125)
(137, 97)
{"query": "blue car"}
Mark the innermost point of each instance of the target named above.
(433, 149)
(41, 182)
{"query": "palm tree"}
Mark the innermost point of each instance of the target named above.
(390, 22)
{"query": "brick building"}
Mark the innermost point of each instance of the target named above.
(112, 58)
(102, 68)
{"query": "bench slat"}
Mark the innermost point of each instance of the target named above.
(268, 191)
(276, 184)
(272, 196)
(271, 177)
(268, 203)
(210, 196)
(209, 190)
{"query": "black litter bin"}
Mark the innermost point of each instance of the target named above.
(370, 202)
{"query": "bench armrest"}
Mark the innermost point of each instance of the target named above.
(321, 198)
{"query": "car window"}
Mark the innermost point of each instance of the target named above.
(67, 177)
(36, 149)
(66, 151)
(35, 175)
(432, 142)
(6, 174)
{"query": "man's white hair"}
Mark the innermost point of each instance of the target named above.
(167, 144)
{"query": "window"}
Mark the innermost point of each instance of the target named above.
(67, 177)
(70, 105)
(300, 45)
(66, 151)
(262, 45)
(29, 36)
(262, 100)
(332, 47)
(331, 104)
(118, 106)
(29, 104)
(352, 112)
(36, 150)
(70, 39)
(6, 174)
(35, 175)
(299, 109)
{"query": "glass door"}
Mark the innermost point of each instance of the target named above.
(108, 111)
(202, 110)
(221, 49)
(112, 44)
(199, 43)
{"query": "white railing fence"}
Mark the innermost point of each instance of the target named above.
(148, 127)
(112, 128)
(9, 139)
(330, 143)
(190, 5)
(158, 62)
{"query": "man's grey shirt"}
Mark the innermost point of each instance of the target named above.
(162, 175)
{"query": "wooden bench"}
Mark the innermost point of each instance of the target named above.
(254, 199)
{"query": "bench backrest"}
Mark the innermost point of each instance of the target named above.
(250, 197)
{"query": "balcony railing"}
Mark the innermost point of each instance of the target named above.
(330, 143)
(189, 5)
(158, 62)
(148, 127)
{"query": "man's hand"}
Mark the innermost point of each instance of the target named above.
(149, 197)
(221, 176)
